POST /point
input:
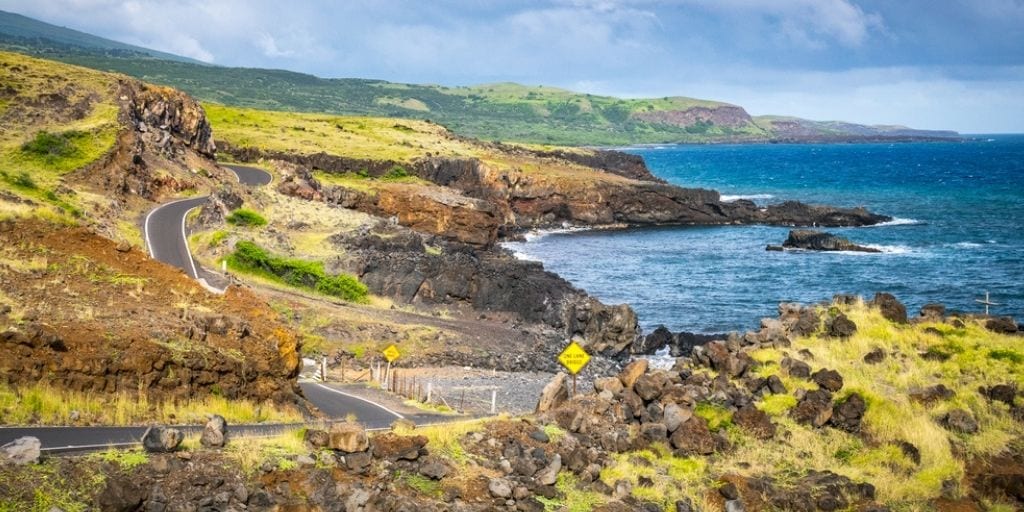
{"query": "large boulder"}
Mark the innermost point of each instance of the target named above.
(694, 437)
(841, 327)
(814, 409)
(394, 447)
(549, 475)
(959, 420)
(161, 439)
(555, 393)
(892, 309)
(848, 414)
(632, 372)
(215, 433)
(660, 338)
(674, 416)
(795, 368)
(348, 438)
(754, 421)
(1002, 325)
(828, 379)
(21, 451)
(649, 385)
(821, 241)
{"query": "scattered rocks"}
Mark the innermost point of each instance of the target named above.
(549, 475)
(828, 379)
(959, 420)
(1005, 393)
(348, 438)
(21, 451)
(161, 439)
(892, 309)
(649, 385)
(215, 433)
(434, 468)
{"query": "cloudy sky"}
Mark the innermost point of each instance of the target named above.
(956, 64)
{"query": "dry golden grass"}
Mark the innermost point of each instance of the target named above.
(891, 416)
(43, 404)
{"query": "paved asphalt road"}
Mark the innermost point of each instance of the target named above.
(165, 225)
(336, 404)
(166, 238)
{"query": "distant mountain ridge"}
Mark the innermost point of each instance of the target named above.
(499, 111)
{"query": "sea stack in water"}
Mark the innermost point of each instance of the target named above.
(819, 241)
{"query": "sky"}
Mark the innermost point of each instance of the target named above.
(938, 64)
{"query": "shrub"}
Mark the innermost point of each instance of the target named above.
(54, 146)
(396, 173)
(251, 258)
(22, 180)
(245, 217)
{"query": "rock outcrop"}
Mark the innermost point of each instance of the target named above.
(821, 241)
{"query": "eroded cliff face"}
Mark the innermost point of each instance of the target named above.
(410, 267)
(121, 322)
(730, 116)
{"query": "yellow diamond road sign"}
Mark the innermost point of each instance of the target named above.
(574, 358)
(391, 353)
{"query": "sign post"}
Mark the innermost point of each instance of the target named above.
(391, 354)
(574, 358)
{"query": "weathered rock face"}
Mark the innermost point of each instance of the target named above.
(395, 262)
(167, 118)
(215, 433)
(24, 450)
(821, 241)
(348, 438)
(725, 115)
(891, 308)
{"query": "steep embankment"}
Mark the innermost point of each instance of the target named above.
(92, 315)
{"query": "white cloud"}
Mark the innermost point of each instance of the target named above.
(806, 22)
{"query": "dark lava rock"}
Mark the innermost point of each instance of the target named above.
(796, 368)
(694, 437)
(776, 386)
(393, 447)
(316, 438)
(434, 469)
(821, 241)
(959, 420)
(841, 327)
(848, 414)
(828, 379)
(755, 422)
(660, 338)
(933, 312)
(892, 309)
(1002, 325)
(161, 439)
(1005, 393)
(932, 394)
(815, 408)
(215, 433)
(120, 494)
(875, 356)
(729, 491)
(911, 452)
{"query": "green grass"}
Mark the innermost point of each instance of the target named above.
(251, 258)
(124, 459)
(246, 218)
(718, 417)
(44, 487)
(674, 478)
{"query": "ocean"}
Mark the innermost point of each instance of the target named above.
(958, 231)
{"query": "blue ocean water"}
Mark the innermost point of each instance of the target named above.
(959, 232)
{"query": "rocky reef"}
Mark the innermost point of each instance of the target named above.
(819, 241)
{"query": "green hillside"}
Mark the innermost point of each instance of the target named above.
(502, 111)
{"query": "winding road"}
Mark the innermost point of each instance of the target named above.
(167, 241)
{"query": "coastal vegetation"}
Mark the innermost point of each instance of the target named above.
(253, 259)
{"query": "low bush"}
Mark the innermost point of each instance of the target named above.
(54, 146)
(251, 258)
(245, 217)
